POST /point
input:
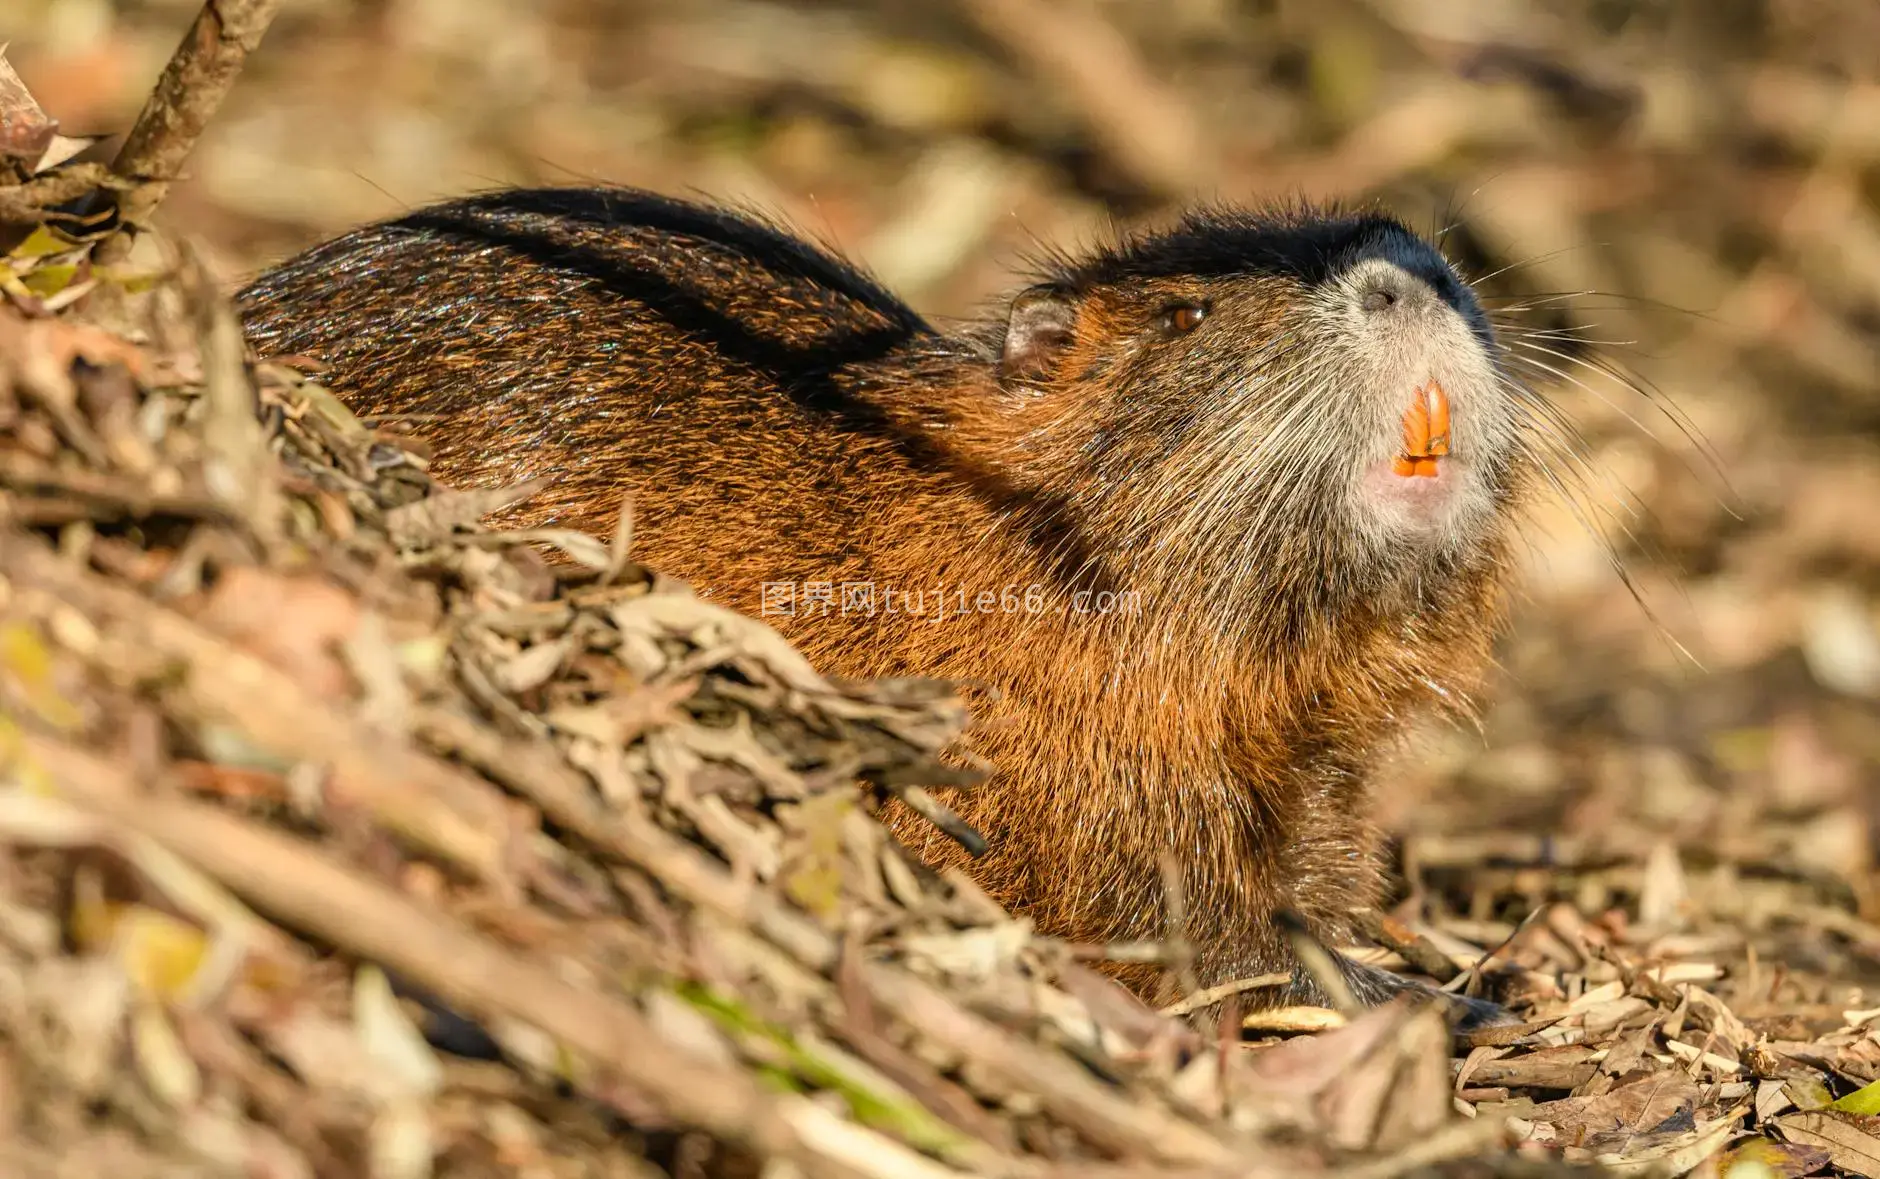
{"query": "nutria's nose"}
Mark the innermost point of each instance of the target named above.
(1390, 290)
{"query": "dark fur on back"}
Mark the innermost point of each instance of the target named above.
(778, 417)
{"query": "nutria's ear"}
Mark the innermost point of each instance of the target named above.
(1038, 331)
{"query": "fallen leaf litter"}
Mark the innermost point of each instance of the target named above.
(346, 836)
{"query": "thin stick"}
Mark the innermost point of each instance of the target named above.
(107, 496)
(1154, 953)
(1123, 1124)
(1175, 906)
(1319, 962)
(1472, 977)
(192, 88)
(1226, 990)
(1417, 949)
(941, 815)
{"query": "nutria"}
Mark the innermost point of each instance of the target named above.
(1210, 513)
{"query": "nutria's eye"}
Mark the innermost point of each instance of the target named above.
(1186, 318)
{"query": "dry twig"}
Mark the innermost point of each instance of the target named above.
(194, 83)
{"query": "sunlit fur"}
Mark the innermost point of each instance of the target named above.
(777, 417)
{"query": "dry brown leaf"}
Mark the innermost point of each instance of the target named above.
(1664, 894)
(1506, 1035)
(1858, 1059)
(409, 1067)
(75, 1025)
(1563, 1067)
(160, 1057)
(37, 354)
(736, 746)
(230, 1145)
(331, 1055)
(1670, 1154)
(579, 547)
(435, 517)
(1120, 1012)
(1292, 1020)
(619, 720)
(709, 626)
(25, 130)
(969, 954)
(814, 851)
(1851, 1141)
(1417, 1100)
(403, 1143)
(63, 148)
(1641, 1107)
(533, 666)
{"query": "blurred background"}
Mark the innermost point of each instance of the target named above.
(1674, 205)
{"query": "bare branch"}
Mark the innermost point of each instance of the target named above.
(192, 88)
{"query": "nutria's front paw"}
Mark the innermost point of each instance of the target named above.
(1373, 986)
(1467, 1014)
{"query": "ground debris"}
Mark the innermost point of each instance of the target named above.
(342, 835)
(317, 795)
(318, 801)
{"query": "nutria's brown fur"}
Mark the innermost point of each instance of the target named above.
(1191, 421)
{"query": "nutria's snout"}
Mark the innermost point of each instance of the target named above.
(1439, 426)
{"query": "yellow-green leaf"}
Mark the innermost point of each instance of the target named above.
(43, 242)
(1864, 1101)
(47, 281)
(1808, 1093)
(160, 953)
(27, 661)
(803, 1066)
(815, 882)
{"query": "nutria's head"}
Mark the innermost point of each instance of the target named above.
(1269, 415)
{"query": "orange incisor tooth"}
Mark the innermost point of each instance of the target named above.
(1439, 420)
(1425, 432)
(1416, 426)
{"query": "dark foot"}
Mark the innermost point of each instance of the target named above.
(1372, 987)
